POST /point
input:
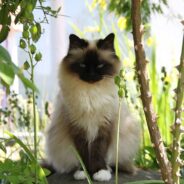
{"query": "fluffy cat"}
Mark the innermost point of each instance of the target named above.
(85, 115)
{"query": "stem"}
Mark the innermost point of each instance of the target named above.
(117, 141)
(146, 97)
(44, 12)
(34, 116)
(165, 117)
(176, 150)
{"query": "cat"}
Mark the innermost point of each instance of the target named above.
(86, 111)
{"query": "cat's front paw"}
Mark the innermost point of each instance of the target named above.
(102, 175)
(79, 175)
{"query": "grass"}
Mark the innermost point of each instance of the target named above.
(117, 141)
(25, 167)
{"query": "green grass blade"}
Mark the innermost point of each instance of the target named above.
(117, 141)
(116, 43)
(18, 141)
(76, 29)
(83, 166)
(146, 182)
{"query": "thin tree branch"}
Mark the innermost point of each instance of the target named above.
(177, 128)
(146, 97)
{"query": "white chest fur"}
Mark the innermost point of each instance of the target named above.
(89, 106)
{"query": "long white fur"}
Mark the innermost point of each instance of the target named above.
(88, 104)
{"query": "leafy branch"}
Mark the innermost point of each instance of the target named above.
(147, 8)
(23, 11)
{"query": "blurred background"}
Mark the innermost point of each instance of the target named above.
(85, 19)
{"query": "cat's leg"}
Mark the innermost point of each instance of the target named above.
(98, 150)
(129, 145)
(58, 143)
(129, 141)
(81, 146)
(58, 149)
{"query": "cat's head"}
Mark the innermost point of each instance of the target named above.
(92, 61)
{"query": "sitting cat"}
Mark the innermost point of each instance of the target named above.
(86, 112)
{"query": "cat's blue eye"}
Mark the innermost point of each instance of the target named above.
(82, 65)
(100, 65)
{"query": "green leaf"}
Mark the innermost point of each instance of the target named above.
(31, 156)
(18, 17)
(4, 54)
(18, 141)
(5, 18)
(46, 171)
(21, 14)
(6, 71)
(4, 33)
(27, 83)
(6, 59)
(117, 80)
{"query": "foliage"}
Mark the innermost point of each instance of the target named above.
(17, 116)
(21, 12)
(17, 113)
(24, 172)
(8, 70)
(14, 12)
(147, 7)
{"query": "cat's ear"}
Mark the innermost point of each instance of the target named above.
(76, 42)
(107, 43)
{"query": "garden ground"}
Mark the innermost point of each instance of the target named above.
(141, 175)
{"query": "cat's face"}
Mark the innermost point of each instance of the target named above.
(92, 61)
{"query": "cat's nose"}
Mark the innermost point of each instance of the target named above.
(91, 72)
